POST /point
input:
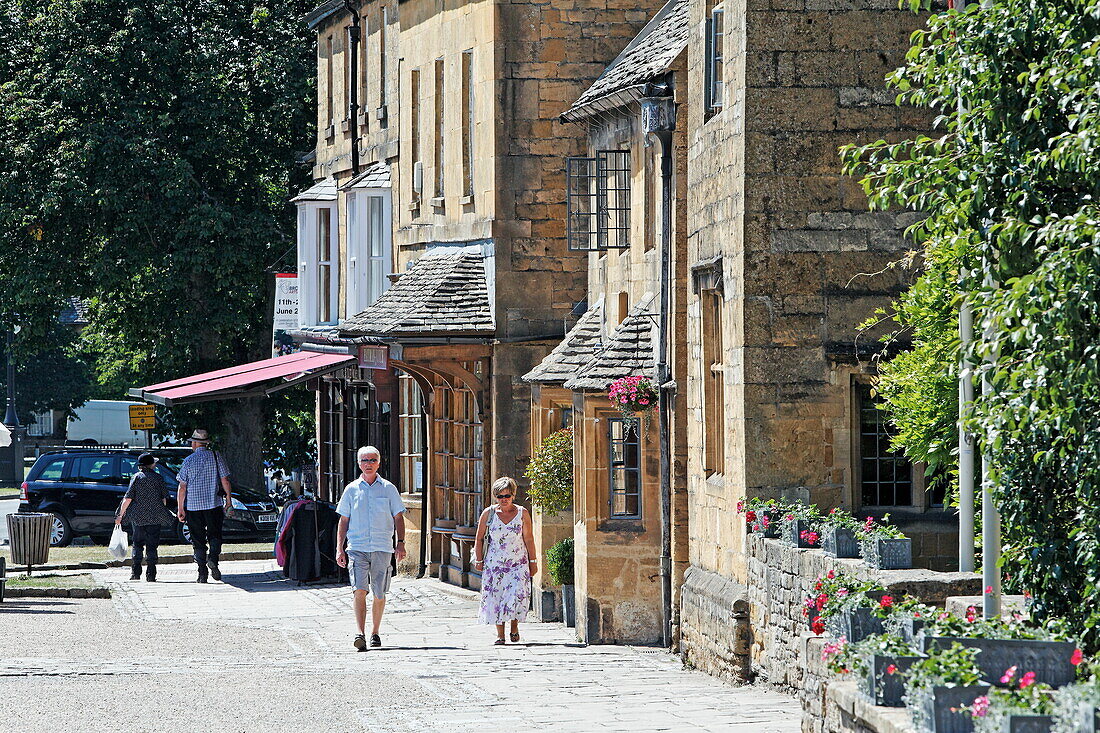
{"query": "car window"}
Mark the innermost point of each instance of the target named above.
(53, 471)
(128, 468)
(96, 469)
(166, 474)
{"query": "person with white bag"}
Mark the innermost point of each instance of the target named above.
(144, 506)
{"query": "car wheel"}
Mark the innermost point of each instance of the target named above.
(61, 532)
(183, 533)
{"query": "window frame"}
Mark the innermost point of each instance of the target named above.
(309, 266)
(917, 496)
(713, 68)
(598, 213)
(630, 425)
(369, 220)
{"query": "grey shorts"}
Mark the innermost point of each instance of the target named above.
(370, 571)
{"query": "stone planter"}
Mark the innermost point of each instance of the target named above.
(569, 605)
(1028, 723)
(855, 624)
(839, 542)
(1049, 660)
(883, 688)
(907, 628)
(939, 710)
(888, 553)
(792, 532)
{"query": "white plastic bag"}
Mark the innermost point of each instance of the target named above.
(119, 547)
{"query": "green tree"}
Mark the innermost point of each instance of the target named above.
(153, 146)
(1010, 184)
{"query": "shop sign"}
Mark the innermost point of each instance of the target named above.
(374, 357)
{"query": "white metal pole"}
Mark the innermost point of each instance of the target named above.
(991, 517)
(966, 443)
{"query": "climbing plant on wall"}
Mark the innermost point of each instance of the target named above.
(1010, 183)
(551, 473)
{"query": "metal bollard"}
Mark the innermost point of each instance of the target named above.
(29, 536)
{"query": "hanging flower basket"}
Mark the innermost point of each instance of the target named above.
(634, 395)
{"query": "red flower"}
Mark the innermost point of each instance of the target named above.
(1027, 680)
(750, 516)
(891, 669)
(818, 585)
(886, 602)
(830, 575)
(821, 601)
(1077, 658)
(818, 626)
(971, 613)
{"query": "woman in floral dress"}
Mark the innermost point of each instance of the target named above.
(505, 548)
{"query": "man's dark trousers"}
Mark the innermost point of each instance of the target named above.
(147, 538)
(206, 525)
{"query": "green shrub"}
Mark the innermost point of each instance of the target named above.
(559, 562)
(551, 473)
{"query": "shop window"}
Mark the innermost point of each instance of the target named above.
(369, 245)
(714, 410)
(598, 198)
(411, 422)
(332, 439)
(625, 485)
(885, 475)
(714, 79)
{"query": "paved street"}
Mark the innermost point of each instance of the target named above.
(255, 653)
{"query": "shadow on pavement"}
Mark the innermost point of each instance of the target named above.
(395, 648)
(269, 581)
(27, 606)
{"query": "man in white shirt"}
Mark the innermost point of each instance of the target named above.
(371, 511)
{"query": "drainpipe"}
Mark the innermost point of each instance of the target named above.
(659, 121)
(353, 84)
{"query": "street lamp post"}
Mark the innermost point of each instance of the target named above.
(11, 416)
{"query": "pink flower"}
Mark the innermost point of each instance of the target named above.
(766, 521)
(1077, 658)
(1027, 680)
(891, 669)
(842, 592)
(869, 524)
(1008, 675)
(989, 590)
(789, 517)
(980, 707)
(886, 602)
(971, 614)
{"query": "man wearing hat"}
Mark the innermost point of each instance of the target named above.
(145, 507)
(204, 495)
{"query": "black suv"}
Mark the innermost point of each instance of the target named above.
(83, 488)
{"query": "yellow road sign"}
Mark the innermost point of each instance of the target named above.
(142, 417)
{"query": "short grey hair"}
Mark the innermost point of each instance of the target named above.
(367, 450)
(505, 482)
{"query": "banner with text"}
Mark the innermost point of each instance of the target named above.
(286, 314)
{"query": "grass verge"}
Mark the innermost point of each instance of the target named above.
(82, 580)
(98, 553)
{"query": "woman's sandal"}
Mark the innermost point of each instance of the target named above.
(514, 637)
(499, 642)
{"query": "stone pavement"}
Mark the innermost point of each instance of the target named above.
(257, 653)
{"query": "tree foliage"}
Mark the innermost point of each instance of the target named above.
(1010, 185)
(153, 146)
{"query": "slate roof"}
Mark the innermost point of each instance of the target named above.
(575, 350)
(323, 190)
(323, 11)
(444, 292)
(75, 313)
(628, 351)
(376, 176)
(644, 59)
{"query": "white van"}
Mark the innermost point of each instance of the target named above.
(106, 422)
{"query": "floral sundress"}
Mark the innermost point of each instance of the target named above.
(506, 580)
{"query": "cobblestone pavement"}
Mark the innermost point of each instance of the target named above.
(257, 653)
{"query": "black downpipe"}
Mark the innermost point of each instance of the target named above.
(353, 83)
(425, 528)
(665, 136)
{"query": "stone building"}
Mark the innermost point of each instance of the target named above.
(441, 259)
(625, 200)
(785, 263)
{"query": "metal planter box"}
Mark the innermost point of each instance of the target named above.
(855, 625)
(839, 542)
(774, 528)
(888, 553)
(907, 628)
(940, 709)
(569, 605)
(1028, 723)
(1049, 660)
(792, 533)
(883, 688)
(1088, 718)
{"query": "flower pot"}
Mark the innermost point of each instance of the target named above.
(839, 542)
(855, 624)
(907, 627)
(888, 553)
(881, 687)
(1049, 660)
(940, 709)
(569, 604)
(792, 533)
(1026, 723)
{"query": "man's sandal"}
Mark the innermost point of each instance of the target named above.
(361, 643)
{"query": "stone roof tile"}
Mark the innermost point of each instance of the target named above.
(445, 291)
(628, 351)
(646, 58)
(575, 350)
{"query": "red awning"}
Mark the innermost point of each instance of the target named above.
(247, 380)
